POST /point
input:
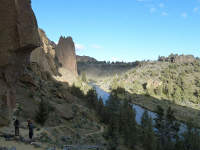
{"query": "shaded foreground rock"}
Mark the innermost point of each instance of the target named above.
(19, 36)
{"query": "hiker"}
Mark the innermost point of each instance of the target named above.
(30, 126)
(16, 124)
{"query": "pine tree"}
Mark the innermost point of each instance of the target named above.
(113, 104)
(131, 133)
(148, 137)
(191, 138)
(172, 125)
(100, 107)
(43, 113)
(92, 98)
(127, 126)
(112, 134)
(167, 129)
(76, 91)
(160, 127)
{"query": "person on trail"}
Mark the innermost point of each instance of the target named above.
(16, 125)
(30, 126)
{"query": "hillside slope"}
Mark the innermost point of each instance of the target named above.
(100, 69)
(176, 83)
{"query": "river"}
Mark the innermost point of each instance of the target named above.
(139, 110)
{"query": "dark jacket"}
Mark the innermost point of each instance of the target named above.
(16, 123)
(30, 126)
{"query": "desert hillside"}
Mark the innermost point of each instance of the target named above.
(173, 80)
(176, 81)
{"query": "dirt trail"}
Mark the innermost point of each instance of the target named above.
(17, 145)
(24, 133)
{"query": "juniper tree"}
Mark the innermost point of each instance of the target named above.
(92, 98)
(148, 136)
(43, 112)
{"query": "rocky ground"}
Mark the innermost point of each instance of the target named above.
(70, 121)
(43, 139)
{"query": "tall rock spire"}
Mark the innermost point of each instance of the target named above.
(65, 52)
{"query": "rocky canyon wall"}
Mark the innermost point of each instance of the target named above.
(18, 37)
(59, 60)
(66, 58)
(44, 56)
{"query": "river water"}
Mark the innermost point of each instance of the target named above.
(139, 110)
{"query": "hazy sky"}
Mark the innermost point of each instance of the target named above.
(125, 30)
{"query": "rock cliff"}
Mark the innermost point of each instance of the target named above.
(19, 36)
(65, 53)
(58, 60)
(44, 56)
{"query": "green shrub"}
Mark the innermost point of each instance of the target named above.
(43, 113)
(172, 66)
(76, 91)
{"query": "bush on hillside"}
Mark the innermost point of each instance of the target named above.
(76, 91)
(43, 113)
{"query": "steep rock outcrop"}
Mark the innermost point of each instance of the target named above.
(19, 36)
(65, 53)
(58, 60)
(44, 56)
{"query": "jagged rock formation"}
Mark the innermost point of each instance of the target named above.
(175, 58)
(65, 52)
(57, 60)
(44, 56)
(65, 58)
(19, 36)
(85, 59)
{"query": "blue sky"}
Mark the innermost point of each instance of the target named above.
(123, 30)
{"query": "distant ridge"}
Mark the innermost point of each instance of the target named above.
(85, 59)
